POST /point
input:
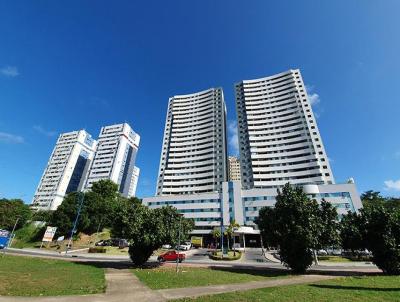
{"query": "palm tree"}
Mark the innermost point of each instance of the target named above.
(229, 233)
(216, 233)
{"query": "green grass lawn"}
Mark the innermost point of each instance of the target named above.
(334, 259)
(350, 289)
(166, 277)
(25, 276)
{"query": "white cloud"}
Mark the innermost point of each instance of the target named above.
(312, 96)
(9, 138)
(233, 137)
(43, 131)
(9, 71)
(392, 185)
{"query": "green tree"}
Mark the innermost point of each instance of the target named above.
(148, 229)
(10, 210)
(42, 216)
(98, 209)
(63, 218)
(100, 202)
(372, 198)
(296, 225)
(351, 232)
(329, 225)
(378, 230)
(229, 232)
(216, 234)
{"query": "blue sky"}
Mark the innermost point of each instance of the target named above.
(83, 64)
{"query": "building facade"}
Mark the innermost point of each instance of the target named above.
(66, 169)
(210, 210)
(234, 168)
(115, 158)
(279, 140)
(193, 156)
(135, 179)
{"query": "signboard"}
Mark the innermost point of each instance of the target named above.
(49, 234)
(197, 241)
(4, 237)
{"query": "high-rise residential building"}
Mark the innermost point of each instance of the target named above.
(234, 168)
(279, 140)
(115, 158)
(135, 179)
(66, 169)
(193, 156)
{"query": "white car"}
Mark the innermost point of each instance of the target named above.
(184, 247)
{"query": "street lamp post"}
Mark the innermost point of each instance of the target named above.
(81, 198)
(12, 232)
(179, 241)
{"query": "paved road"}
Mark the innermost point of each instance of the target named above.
(196, 257)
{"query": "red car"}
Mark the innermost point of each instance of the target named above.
(171, 256)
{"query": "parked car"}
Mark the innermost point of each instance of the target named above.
(171, 256)
(184, 247)
(167, 246)
(123, 243)
(334, 252)
(113, 242)
(322, 253)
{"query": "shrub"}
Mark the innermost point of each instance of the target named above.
(97, 249)
(230, 257)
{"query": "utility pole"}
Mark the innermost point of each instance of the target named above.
(179, 241)
(81, 197)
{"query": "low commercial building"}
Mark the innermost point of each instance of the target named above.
(210, 210)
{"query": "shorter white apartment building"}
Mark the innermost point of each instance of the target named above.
(115, 158)
(210, 210)
(234, 168)
(66, 169)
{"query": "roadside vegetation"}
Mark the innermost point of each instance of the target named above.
(166, 276)
(298, 226)
(231, 255)
(27, 276)
(145, 229)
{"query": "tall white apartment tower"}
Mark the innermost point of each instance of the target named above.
(66, 169)
(193, 156)
(115, 158)
(135, 179)
(279, 139)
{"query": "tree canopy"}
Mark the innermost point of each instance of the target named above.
(374, 198)
(97, 211)
(376, 228)
(297, 225)
(10, 210)
(148, 229)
